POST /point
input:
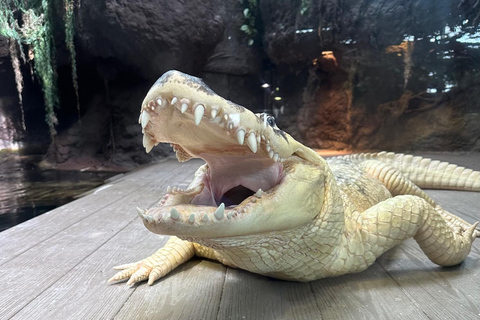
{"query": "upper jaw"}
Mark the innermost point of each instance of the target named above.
(182, 110)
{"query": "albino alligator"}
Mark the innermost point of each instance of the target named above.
(265, 203)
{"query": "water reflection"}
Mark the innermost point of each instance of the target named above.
(26, 191)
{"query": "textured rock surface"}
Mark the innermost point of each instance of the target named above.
(151, 36)
(370, 92)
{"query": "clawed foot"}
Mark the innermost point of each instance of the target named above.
(138, 271)
(174, 253)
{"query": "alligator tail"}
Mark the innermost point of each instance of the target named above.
(424, 172)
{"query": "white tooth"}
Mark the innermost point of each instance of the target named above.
(174, 214)
(140, 212)
(159, 102)
(214, 113)
(169, 189)
(145, 141)
(252, 142)
(174, 100)
(199, 111)
(148, 143)
(259, 193)
(275, 157)
(258, 139)
(230, 126)
(145, 118)
(191, 219)
(229, 215)
(225, 117)
(241, 136)
(220, 211)
(268, 148)
(149, 147)
(140, 117)
(235, 118)
(184, 107)
(270, 153)
(205, 218)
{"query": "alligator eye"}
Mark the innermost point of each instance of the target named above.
(271, 121)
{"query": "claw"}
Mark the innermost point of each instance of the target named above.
(125, 266)
(475, 231)
(155, 274)
(122, 275)
(137, 276)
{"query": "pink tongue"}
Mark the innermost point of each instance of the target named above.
(233, 190)
(232, 179)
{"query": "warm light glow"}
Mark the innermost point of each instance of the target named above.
(278, 98)
(13, 146)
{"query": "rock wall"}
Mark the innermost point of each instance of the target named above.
(343, 74)
(381, 75)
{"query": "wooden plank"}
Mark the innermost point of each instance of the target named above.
(192, 291)
(462, 203)
(441, 293)
(83, 292)
(252, 296)
(32, 232)
(51, 259)
(371, 294)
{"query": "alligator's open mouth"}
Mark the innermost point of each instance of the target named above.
(248, 159)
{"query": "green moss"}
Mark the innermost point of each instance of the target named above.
(30, 23)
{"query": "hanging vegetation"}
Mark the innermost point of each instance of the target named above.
(69, 17)
(14, 53)
(30, 22)
(248, 25)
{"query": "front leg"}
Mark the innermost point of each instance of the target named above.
(175, 252)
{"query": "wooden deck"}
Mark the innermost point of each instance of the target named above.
(55, 266)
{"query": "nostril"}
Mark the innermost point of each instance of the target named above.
(235, 196)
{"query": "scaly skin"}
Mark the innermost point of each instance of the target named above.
(309, 217)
